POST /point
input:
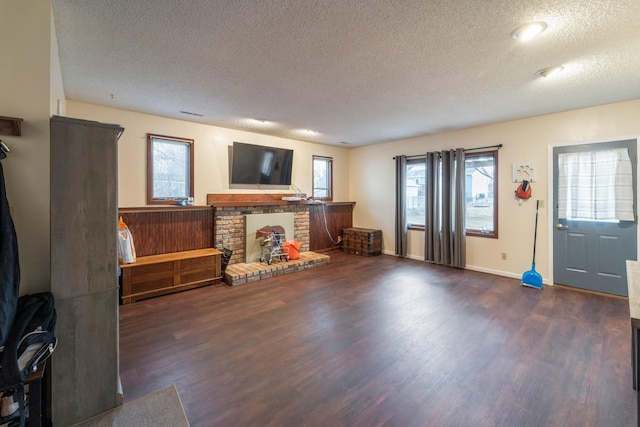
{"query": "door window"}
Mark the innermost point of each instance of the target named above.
(595, 186)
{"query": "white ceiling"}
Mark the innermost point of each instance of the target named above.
(357, 71)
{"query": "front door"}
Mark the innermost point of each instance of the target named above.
(591, 253)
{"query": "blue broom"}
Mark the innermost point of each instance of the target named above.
(532, 278)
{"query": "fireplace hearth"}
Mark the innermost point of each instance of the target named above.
(243, 273)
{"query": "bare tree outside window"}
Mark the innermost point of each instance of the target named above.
(322, 178)
(169, 169)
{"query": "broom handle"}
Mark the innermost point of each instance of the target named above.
(535, 232)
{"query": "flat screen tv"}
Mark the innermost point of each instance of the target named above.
(260, 165)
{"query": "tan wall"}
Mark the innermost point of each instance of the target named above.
(525, 140)
(24, 79)
(211, 153)
(371, 184)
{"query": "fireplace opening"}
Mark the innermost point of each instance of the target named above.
(281, 224)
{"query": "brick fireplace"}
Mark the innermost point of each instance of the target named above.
(231, 210)
(230, 213)
(230, 227)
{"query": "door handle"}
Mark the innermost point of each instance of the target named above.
(562, 227)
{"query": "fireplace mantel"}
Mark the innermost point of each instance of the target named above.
(244, 200)
(259, 199)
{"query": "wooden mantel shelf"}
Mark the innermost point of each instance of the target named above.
(11, 126)
(258, 203)
(260, 199)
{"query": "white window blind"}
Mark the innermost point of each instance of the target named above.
(595, 185)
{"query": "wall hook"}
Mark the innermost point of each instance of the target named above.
(524, 171)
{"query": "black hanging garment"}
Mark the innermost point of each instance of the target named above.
(26, 323)
(9, 265)
(31, 341)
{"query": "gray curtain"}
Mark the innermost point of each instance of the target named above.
(401, 215)
(445, 202)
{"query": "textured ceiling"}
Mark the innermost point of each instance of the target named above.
(357, 71)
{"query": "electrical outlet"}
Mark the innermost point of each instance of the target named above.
(504, 256)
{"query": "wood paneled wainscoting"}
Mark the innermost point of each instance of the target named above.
(160, 230)
(175, 251)
(323, 236)
(173, 230)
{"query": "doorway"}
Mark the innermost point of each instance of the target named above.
(590, 247)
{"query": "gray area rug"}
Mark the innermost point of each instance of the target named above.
(159, 409)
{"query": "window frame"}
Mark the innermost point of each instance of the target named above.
(329, 161)
(470, 232)
(412, 226)
(480, 233)
(151, 200)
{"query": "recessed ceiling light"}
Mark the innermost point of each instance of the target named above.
(548, 71)
(528, 31)
(262, 122)
(310, 131)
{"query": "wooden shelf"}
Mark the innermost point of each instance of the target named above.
(162, 208)
(11, 126)
(244, 200)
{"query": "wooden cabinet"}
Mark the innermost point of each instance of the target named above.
(84, 268)
(155, 275)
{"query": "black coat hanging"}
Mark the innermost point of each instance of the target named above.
(9, 264)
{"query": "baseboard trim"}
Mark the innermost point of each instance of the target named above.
(478, 269)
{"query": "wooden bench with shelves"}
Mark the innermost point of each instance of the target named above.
(156, 275)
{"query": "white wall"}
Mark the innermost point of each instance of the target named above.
(528, 140)
(366, 175)
(57, 101)
(24, 79)
(211, 154)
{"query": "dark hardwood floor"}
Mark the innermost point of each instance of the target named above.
(384, 341)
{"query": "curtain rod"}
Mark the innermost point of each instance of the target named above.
(498, 146)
